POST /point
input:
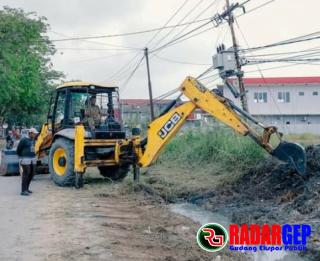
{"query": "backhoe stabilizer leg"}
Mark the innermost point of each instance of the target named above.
(136, 173)
(78, 183)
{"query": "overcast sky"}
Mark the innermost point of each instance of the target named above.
(279, 20)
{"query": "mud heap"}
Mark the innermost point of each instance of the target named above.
(274, 193)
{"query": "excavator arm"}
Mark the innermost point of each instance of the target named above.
(162, 129)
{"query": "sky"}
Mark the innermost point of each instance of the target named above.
(99, 60)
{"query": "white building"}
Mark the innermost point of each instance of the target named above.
(290, 103)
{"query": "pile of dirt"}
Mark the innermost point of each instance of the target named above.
(273, 192)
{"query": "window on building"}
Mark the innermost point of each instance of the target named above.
(301, 93)
(303, 118)
(284, 97)
(315, 93)
(260, 97)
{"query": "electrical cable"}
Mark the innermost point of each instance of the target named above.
(131, 74)
(127, 34)
(168, 21)
(178, 38)
(180, 62)
(179, 22)
(196, 17)
(285, 42)
(98, 43)
(261, 74)
(99, 58)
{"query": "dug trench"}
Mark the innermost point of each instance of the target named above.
(270, 192)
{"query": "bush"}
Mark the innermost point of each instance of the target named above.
(221, 146)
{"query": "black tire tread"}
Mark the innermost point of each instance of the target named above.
(68, 179)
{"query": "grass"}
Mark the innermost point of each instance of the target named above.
(220, 147)
(194, 163)
(304, 138)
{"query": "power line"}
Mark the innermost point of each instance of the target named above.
(205, 72)
(131, 74)
(99, 58)
(179, 22)
(306, 57)
(127, 34)
(162, 96)
(210, 76)
(283, 60)
(278, 67)
(256, 8)
(98, 43)
(184, 34)
(168, 21)
(93, 49)
(191, 36)
(197, 16)
(125, 67)
(283, 53)
(178, 38)
(180, 62)
(286, 42)
(259, 69)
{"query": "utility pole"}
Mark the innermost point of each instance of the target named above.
(146, 54)
(243, 96)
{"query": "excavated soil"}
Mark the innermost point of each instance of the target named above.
(273, 193)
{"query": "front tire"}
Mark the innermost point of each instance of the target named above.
(115, 173)
(61, 162)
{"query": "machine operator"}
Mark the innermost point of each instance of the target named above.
(92, 113)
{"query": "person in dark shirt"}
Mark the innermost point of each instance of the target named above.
(25, 151)
(9, 141)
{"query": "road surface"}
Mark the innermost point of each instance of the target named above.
(99, 222)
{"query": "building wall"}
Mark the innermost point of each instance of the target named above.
(298, 113)
(299, 105)
(293, 123)
(138, 114)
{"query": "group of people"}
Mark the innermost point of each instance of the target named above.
(26, 145)
(12, 137)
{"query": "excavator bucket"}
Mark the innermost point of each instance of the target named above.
(292, 153)
(9, 162)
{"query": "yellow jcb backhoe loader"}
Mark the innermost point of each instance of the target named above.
(72, 145)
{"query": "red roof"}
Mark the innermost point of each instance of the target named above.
(282, 80)
(142, 102)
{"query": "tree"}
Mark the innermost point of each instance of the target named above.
(26, 74)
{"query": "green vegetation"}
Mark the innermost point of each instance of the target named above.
(221, 147)
(304, 138)
(195, 163)
(26, 74)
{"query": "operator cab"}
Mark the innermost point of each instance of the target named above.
(95, 106)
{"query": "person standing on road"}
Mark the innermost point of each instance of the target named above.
(25, 151)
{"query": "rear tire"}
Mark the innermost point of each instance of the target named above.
(115, 173)
(61, 162)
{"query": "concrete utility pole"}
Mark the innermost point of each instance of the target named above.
(146, 54)
(242, 90)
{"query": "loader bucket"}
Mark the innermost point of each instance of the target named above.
(292, 153)
(9, 162)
